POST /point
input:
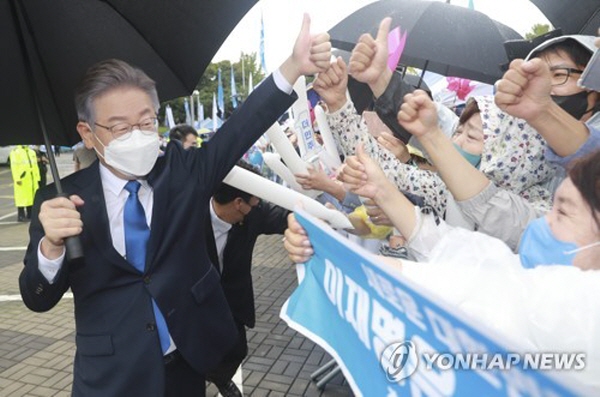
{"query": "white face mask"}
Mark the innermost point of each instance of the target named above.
(134, 156)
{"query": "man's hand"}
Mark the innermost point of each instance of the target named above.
(394, 145)
(296, 241)
(331, 85)
(524, 90)
(60, 219)
(311, 54)
(418, 114)
(368, 62)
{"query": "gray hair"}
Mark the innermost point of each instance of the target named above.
(105, 76)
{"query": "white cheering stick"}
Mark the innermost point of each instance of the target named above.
(293, 162)
(279, 195)
(286, 150)
(273, 161)
(328, 141)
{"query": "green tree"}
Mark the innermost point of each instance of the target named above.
(537, 30)
(207, 86)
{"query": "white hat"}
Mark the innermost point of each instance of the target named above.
(584, 40)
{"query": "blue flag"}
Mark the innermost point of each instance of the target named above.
(233, 90)
(263, 64)
(188, 115)
(220, 99)
(214, 113)
(471, 5)
(200, 112)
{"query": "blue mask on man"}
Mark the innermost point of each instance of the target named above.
(539, 246)
(474, 159)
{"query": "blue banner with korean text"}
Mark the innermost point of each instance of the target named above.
(391, 338)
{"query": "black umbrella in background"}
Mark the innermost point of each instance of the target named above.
(443, 38)
(48, 45)
(572, 16)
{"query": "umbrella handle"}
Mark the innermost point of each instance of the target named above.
(74, 248)
(72, 244)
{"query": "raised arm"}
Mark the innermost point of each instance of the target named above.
(418, 115)
(524, 92)
(349, 130)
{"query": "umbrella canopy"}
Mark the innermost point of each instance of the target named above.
(443, 38)
(573, 16)
(48, 45)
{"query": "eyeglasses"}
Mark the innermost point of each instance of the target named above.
(122, 131)
(254, 204)
(561, 75)
(251, 204)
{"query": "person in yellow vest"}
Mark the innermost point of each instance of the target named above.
(26, 178)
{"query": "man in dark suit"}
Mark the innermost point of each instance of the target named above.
(236, 220)
(150, 317)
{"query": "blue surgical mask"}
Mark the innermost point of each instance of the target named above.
(474, 159)
(539, 246)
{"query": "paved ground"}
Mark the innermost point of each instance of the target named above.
(36, 350)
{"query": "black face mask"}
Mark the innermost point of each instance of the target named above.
(576, 105)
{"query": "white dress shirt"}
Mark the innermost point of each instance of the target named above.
(220, 232)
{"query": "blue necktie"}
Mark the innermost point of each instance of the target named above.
(136, 238)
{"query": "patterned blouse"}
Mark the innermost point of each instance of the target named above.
(349, 129)
(513, 156)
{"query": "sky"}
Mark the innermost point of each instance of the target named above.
(282, 20)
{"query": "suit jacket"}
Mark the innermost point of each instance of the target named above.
(118, 351)
(236, 277)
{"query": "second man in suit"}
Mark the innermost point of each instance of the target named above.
(236, 220)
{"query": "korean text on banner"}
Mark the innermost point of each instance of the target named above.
(359, 311)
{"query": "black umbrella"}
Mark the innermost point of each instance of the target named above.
(446, 39)
(171, 40)
(48, 45)
(572, 16)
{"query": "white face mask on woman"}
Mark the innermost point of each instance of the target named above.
(134, 156)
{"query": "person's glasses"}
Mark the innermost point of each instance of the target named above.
(253, 202)
(122, 131)
(560, 75)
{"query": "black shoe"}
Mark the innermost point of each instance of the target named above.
(21, 219)
(229, 389)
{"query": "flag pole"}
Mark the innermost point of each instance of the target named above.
(243, 74)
